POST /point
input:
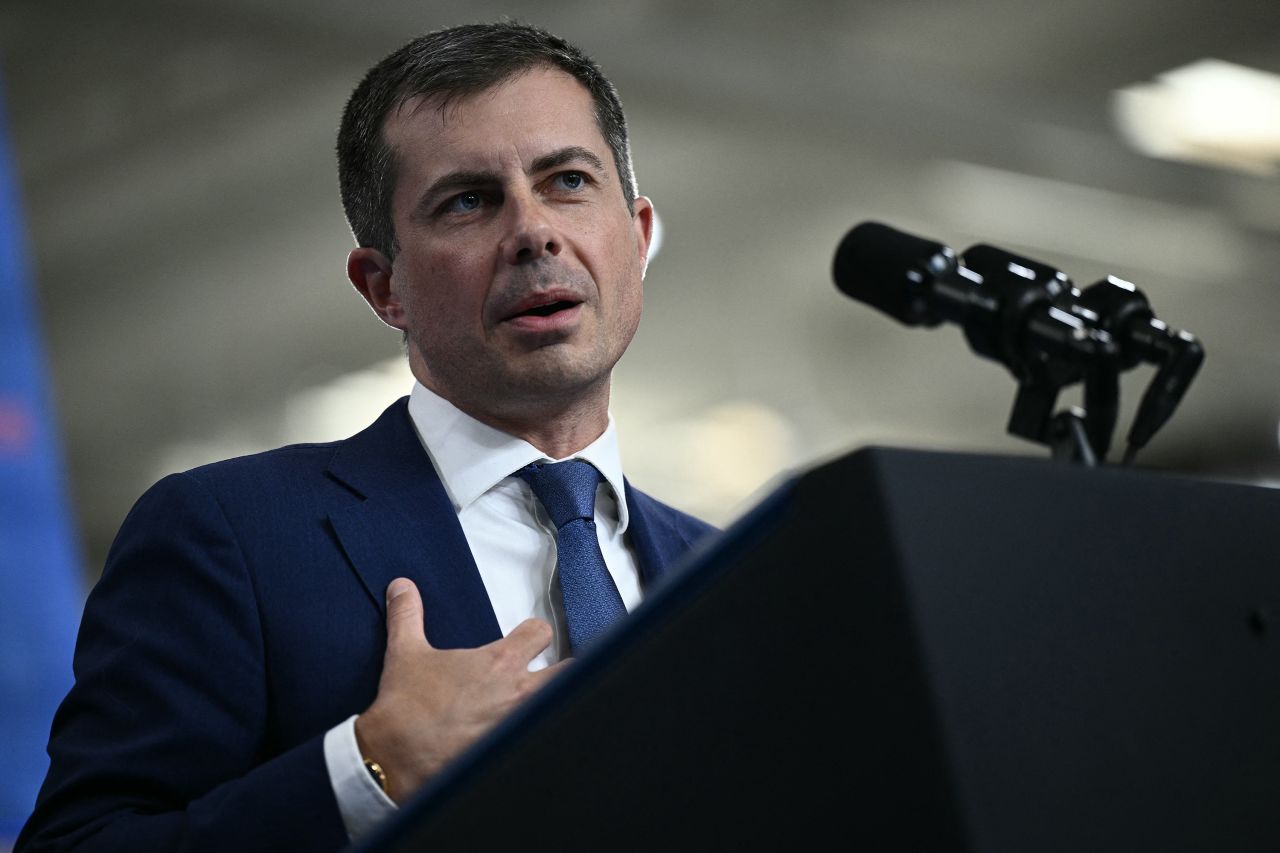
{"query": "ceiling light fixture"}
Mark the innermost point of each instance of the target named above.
(1210, 112)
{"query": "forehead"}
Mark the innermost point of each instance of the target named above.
(509, 124)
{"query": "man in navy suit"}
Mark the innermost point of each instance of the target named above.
(283, 647)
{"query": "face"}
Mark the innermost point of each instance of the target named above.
(518, 277)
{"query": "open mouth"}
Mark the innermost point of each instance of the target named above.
(545, 306)
(547, 310)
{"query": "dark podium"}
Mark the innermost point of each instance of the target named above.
(905, 650)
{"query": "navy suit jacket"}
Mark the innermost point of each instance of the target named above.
(239, 617)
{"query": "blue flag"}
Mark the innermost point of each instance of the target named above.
(41, 593)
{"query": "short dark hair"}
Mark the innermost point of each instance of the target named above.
(451, 63)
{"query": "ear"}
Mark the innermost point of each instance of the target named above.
(370, 272)
(642, 224)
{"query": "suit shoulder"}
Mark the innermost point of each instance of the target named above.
(280, 457)
(295, 459)
(691, 527)
(255, 482)
(259, 470)
(279, 480)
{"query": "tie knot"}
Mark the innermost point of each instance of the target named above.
(567, 489)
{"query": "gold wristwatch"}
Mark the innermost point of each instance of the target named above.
(376, 771)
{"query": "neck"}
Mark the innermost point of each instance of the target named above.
(558, 434)
(558, 425)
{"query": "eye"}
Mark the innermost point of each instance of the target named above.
(571, 180)
(464, 203)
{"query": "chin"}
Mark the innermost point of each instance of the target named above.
(555, 379)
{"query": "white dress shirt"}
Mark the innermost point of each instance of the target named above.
(513, 543)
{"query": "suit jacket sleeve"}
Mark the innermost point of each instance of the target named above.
(165, 741)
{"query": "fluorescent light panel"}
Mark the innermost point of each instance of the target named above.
(1210, 112)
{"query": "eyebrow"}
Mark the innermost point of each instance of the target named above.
(464, 179)
(568, 155)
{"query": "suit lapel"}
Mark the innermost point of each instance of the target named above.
(653, 534)
(405, 526)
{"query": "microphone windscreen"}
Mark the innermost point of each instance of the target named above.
(892, 271)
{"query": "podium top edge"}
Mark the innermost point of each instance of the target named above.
(891, 454)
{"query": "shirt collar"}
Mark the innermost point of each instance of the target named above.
(473, 457)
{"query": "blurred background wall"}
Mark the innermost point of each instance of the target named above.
(187, 242)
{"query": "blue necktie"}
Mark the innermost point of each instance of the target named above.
(568, 493)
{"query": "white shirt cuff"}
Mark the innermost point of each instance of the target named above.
(361, 802)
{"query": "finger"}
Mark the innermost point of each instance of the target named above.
(550, 672)
(404, 614)
(539, 678)
(530, 638)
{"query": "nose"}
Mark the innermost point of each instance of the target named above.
(530, 234)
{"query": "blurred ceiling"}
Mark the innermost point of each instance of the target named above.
(188, 243)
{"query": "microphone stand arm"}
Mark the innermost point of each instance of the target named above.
(1067, 351)
(1072, 435)
(1069, 438)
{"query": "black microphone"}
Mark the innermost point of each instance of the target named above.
(1009, 317)
(1030, 317)
(896, 273)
